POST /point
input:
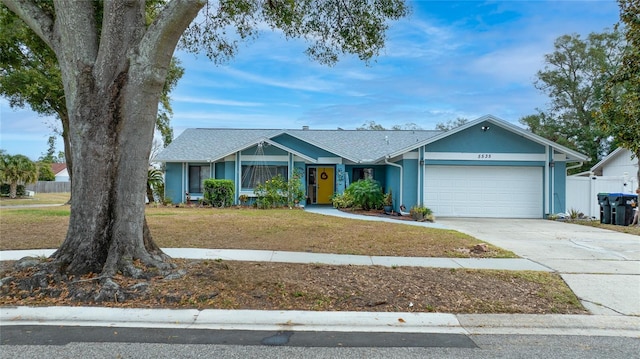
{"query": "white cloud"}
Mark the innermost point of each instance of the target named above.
(211, 101)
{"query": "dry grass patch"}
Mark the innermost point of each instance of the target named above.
(296, 230)
(284, 230)
(33, 228)
(281, 286)
(38, 199)
(612, 227)
(284, 286)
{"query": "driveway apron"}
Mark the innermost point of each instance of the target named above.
(602, 267)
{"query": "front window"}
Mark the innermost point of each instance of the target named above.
(197, 175)
(252, 175)
(362, 174)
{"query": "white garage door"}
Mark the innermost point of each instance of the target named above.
(484, 191)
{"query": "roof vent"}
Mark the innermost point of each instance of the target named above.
(305, 128)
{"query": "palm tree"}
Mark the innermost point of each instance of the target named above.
(17, 169)
(154, 182)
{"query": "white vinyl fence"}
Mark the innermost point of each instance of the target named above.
(582, 192)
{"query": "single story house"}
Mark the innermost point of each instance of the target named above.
(620, 162)
(484, 168)
(615, 173)
(60, 171)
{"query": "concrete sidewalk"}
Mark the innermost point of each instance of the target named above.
(322, 258)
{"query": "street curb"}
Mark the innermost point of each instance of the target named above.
(233, 319)
(396, 322)
(551, 324)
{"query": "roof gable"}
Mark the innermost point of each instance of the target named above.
(58, 167)
(492, 120)
(211, 144)
(611, 158)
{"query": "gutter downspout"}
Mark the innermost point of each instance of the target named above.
(572, 167)
(420, 168)
(386, 160)
(547, 196)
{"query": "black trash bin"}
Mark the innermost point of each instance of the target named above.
(621, 209)
(605, 208)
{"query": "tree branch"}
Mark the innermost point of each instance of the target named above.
(78, 32)
(162, 36)
(37, 19)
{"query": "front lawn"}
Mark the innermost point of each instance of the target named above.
(282, 229)
(285, 286)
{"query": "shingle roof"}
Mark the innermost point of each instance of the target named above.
(362, 146)
(209, 144)
(212, 144)
(58, 167)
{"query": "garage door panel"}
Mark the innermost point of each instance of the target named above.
(484, 191)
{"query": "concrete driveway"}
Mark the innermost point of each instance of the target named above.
(602, 267)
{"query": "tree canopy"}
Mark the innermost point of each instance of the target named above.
(451, 124)
(373, 126)
(114, 61)
(15, 170)
(574, 78)
(619, 115)
(31, 76)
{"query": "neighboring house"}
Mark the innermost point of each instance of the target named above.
(484, 168)
(60, 171)
(620, 162)
(616, 173)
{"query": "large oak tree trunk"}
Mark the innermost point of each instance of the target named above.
(114, 129)
(113, 83)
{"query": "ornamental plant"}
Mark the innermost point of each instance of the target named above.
(271, 193)
(218, 192)
(421, 213)
(366, 194)
(295, 191)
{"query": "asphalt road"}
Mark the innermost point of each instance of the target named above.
(94, 342)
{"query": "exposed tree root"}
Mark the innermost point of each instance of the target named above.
(44, 278)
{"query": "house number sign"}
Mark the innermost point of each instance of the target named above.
(484, 156)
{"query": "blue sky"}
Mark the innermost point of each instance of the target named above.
(448, 59)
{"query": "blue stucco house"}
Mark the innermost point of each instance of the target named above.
(485, 168)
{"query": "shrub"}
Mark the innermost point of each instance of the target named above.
(575, 214)
(421, 213)
(295, 191)
(366, 194)
(45, 173)
(344, 200)
(277, 192)
(218, 192)
(5, 188)
(272, 193)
